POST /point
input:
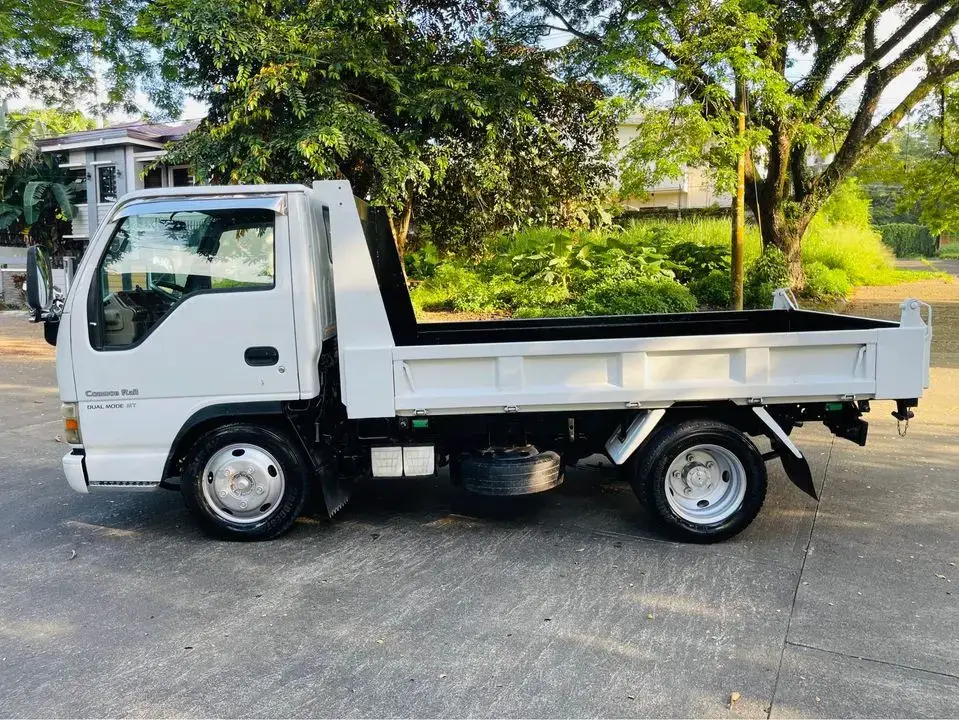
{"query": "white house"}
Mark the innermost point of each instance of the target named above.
(692, 190)
(109, 162)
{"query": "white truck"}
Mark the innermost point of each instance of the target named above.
(256, 345)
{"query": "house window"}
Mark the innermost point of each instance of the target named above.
(182, 177)
(77, 182)
(107, 183)
(153, 178)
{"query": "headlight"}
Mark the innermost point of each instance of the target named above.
(71, 423)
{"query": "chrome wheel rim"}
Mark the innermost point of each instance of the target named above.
(705, 484)
(243, 484)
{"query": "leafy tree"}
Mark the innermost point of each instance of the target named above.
(712, 52)
(394, 95)
(58, 50)
(913, 175)
(931, 183)
(52, 121)
(35, 198)
(555, 170)
(882, 170)
(35, 195)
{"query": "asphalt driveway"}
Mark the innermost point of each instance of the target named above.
(113, 604)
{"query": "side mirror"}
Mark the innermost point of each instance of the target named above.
(39, 282)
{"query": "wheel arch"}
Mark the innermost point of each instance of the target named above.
(268, 413)
(747, 420)
(627, 443)
(740, 417)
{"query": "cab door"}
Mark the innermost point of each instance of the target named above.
(188, 305)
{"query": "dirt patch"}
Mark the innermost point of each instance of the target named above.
(930, 291)
(434, 317)
(26, 348)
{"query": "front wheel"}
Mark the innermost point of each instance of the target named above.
(703, 481)
(245, 482)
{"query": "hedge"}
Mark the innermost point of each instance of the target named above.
(908, 240)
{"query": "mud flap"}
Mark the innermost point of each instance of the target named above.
(794, 462)
(797, 470)
(336, 491)
(335, 487)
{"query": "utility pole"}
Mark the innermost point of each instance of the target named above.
(739, 210)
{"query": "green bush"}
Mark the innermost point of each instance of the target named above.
(858, 251)
(698, 261)
(616, 264)
(849, 204)
(769, 273)
(422, 262)
(453, 288)
(541, 312)
(544, 272)
(713, 291)
(636, 297)
(713, 232)
(823, 282)
(950, 252)
(908, 240)
(508, 293)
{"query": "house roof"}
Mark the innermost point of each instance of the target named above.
(152, 135)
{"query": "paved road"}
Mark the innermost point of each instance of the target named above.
(946, 266)
(115, 605)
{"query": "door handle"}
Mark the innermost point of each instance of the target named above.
(261, 356)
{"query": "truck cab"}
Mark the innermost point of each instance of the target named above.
(255, 345)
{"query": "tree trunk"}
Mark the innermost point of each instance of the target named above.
(785, 233)
(400, 225)
(783, 216)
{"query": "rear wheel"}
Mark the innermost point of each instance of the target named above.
(245, 482)
(702, 480)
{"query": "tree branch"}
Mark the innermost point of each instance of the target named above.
(828, 54)
(920, 16)
(869, 36)
(818, 31)
(923, 45)
(861, 140)
(703, 78)
(568, 26)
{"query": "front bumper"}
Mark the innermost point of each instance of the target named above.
(74, 467)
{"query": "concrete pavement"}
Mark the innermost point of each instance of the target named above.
(113, 604)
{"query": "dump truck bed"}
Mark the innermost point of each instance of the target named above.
(782, 355)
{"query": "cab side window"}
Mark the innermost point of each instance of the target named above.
(154, 261)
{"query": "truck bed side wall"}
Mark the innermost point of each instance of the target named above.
(596, 374)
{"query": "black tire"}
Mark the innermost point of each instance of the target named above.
(509, 472)
(666, 444)
(294, 465)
